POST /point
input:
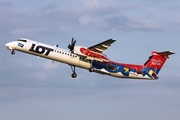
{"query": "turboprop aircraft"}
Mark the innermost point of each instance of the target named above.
(92, 58)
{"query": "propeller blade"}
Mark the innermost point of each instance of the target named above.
(72, 41)
(71, 46)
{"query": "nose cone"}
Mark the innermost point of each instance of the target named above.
(10, 45)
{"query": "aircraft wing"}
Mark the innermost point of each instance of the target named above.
(101, 47)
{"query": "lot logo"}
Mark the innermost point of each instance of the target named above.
(40, 49)
(20, 45)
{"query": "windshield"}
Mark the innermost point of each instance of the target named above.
(22, 40)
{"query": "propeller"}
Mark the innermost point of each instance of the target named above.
(71, 46)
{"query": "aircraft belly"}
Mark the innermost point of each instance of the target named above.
(131, 76)
(101, 71)
(65, 59)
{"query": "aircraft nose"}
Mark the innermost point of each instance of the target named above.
(10, 45)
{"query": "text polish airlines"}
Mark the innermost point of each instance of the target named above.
(92, 59)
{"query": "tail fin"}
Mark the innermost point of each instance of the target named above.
(156, 61)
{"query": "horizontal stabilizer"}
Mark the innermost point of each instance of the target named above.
(163, 53)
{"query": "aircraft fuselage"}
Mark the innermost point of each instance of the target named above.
(100, 64)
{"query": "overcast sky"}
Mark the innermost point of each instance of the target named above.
(33, 88)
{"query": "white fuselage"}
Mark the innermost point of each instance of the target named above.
(56, 54)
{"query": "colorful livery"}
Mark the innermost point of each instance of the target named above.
(92, 58)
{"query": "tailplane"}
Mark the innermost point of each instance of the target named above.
(156, 62)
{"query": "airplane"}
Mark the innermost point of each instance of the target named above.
(92, 58)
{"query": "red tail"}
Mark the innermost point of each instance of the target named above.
(157, 60)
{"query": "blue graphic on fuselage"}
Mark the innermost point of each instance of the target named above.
(112, 68)
(107, 66)
(116, 68)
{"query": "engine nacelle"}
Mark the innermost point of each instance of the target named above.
(88, 54)
(78, 51)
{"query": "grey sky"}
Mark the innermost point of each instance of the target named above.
(34, 88)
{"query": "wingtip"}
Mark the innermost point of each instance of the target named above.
(113, 39)
(172, 52)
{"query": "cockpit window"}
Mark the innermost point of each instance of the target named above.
(22, 40)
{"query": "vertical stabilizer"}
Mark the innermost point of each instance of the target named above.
(156, 62)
